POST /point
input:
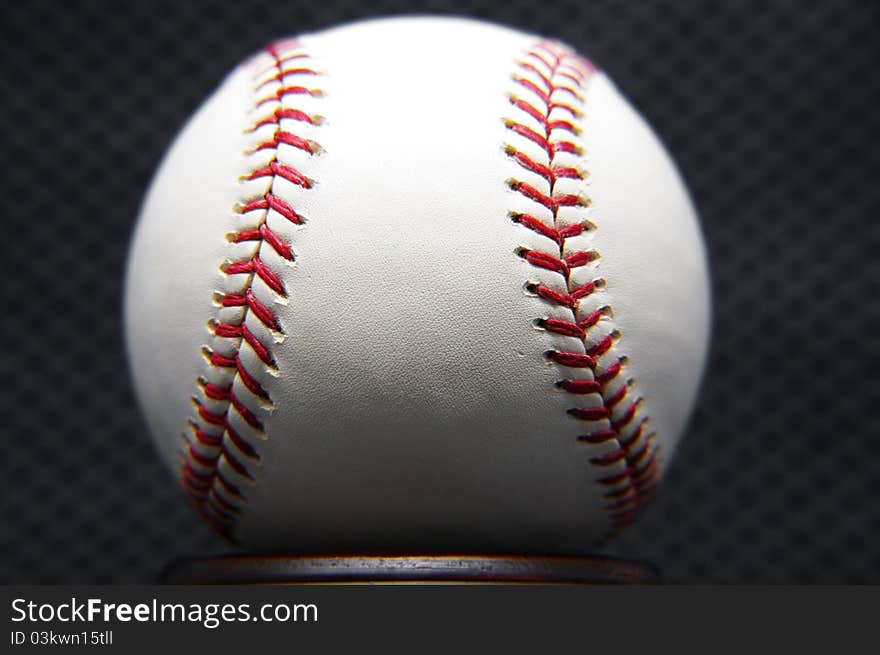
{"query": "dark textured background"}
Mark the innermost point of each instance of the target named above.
(772, 110)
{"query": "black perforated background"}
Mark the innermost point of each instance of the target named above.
(772, 109)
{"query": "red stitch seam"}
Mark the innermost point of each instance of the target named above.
(214, 496)
(556, 76)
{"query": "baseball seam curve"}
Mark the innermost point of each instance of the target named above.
(548, 98)
(219, 449)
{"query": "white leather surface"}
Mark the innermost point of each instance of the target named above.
(413, 407)
(175, 257)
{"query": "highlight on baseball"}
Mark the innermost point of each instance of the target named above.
(417, 284)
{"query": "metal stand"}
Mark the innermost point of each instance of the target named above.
(390, 569)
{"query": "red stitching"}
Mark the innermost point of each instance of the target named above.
(550, 201)
(288, 138)
(287, 91)
(275, 117)
(282, 73)
(289, 173)
(265, 234)
(548, 71)
(557, 234)
(213, 438)
(228, 487)
(227, 508)
(271, 201)
(256, 266)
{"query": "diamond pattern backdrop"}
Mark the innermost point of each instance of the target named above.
(771, 109)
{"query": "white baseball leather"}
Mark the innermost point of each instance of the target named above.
(412, 405)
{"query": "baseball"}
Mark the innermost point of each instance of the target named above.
(417, 284)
